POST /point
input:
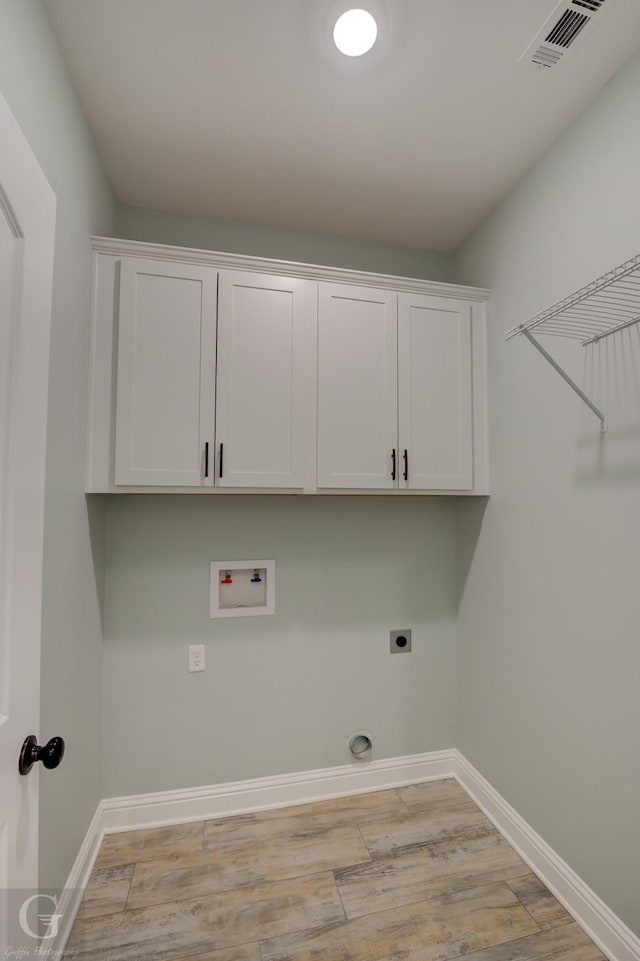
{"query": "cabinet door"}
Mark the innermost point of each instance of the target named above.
(166, 373)
(264, 366)
(434, 369)
(357, 387)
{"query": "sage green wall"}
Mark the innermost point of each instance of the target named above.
(281, 693)
(34, 81)
(280, 243)
(549, 601)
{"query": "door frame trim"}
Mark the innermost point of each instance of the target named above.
(30, 204)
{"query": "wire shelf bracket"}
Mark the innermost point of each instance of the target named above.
(607, 305)
(572, 384)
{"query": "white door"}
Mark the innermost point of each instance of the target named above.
(166, 374)
(27, 232)
(265, 328)
(357, 387)
(434, 390)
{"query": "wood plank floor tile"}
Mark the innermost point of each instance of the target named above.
(130, 847)
(167, 932)
(336, 812)
(455, 817)
(542, 905)
(426, 872)
(227, 835)
(434, 881)
(241, 952)
(567, 943)
(428, 931)
(107, 891)
(248, 854)
(416, 796)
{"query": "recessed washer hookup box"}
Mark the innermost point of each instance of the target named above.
(242, 588)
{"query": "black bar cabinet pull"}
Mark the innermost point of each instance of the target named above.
(206, 459)
(221, 458)
(393, 464)
(406, 465)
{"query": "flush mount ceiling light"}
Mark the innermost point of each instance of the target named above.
(355, 33)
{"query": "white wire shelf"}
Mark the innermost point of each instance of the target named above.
(605, 306)
(608, 304)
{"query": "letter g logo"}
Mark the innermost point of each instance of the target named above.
(52, 920)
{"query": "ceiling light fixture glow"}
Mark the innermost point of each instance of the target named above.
(355, 33)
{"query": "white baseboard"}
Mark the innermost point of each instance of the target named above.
(243, 797)
(613, 937)
(137, 812)
(71, 899)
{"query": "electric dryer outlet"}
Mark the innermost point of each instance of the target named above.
(400, 642)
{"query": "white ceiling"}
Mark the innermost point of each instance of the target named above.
(244, 109)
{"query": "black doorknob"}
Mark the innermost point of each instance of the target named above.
(50, 755)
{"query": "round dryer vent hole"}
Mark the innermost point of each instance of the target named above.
(360, 746)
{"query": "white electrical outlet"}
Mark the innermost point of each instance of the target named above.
(196, 658)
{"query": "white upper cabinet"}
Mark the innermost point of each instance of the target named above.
(265, 328)
(165, 374)
(357, 387)
(434, 389)
(215, 372)
(394, 391)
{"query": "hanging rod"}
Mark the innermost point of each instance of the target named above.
(607, 305)
(597, 337)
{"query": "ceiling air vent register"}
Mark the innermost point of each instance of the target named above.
(568, 22)
(589, 4)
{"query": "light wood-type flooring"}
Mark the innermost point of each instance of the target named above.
(413, 874)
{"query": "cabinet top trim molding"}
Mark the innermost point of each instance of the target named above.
(188, 255)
